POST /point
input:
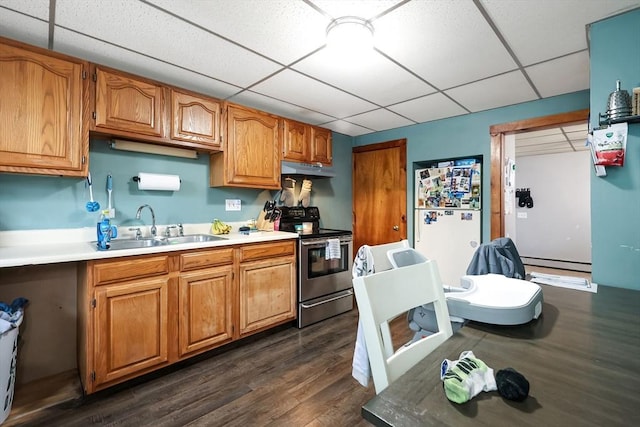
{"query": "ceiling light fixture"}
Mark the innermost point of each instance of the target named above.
(350, 33)
(162, 150)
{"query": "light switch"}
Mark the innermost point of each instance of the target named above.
(232, 205)
(522, 215)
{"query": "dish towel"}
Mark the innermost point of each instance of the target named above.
(333, 249)
(362, 266)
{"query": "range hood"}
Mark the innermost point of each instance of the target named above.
(306, 169)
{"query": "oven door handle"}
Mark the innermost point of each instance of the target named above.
(347, 293)
(323, 243)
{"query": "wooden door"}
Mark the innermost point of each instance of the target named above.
(379, 193)
(130, 328)
(267, 293)
(205, 309)
(41, 124)
(128, 103)
(321, 146)
(297, 141)
(195, 119)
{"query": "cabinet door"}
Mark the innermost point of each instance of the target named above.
(130, 328)
(267, 293)
(297, 141)
(251, 156)
(129, 104)
(195, 119)
(321, 146)
(41, 126)
(205, 309)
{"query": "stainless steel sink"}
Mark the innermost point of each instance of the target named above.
(118, 244)
(193, 238)
(136, 244)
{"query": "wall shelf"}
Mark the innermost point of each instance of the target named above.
(629, 119)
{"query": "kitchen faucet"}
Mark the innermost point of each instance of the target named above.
(154, 230)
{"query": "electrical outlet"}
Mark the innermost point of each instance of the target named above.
(232, 205)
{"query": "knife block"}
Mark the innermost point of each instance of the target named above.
(263, 224)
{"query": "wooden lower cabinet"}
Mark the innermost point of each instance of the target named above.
(130, 328)
(141, 313)
(266, 295)
(205, 307)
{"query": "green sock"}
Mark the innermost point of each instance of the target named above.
(465, 378)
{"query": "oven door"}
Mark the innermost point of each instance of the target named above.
(319, 276)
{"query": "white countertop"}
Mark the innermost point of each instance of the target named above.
(34, 247)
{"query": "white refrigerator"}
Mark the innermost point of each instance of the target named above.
(448, 215)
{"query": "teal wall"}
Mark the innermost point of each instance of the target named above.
(30, 202)
(615, 198)
(465, 136)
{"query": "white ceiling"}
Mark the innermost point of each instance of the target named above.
(552, 141)
(432, 59)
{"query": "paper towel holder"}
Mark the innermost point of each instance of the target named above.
(151, 184)
(137, 178)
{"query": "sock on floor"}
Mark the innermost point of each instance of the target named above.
(465, 378)
(512, 384)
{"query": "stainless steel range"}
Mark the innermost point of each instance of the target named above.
(325, 257)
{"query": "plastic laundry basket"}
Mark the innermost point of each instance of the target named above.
(8, 357)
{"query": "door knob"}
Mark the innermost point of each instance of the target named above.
(396, 228)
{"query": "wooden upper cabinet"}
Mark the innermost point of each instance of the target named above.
(297, 141)
(321, 146)
(195, 119)
(306, 143)
(41, 112)
(126, 104)
(251, 156)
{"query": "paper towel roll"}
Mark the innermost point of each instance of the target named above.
(154, 181)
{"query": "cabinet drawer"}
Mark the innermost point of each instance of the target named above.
(202, 259)
(112, 271)
(259, 251)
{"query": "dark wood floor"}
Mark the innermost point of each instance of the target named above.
(303, 377)
(292, 377)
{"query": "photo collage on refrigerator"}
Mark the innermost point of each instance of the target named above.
(450, 185)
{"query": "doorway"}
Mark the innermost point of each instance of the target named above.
(541, 241)
(498, 150)
(380, 196)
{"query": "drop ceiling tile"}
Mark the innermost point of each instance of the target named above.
(380, 119)
(284, 30)
(371, 76)
(107, 54)
(293, 87)
(38, 9)
(148, 31)
(543, 29)
(346, 128)
(490, 93)
(280, 108)
(447, 43)
(537, 133)
(579, 127)
(366, 9)
(25, 21)
(428, 108)
(541, 140)
(579, 135)
(562, 75)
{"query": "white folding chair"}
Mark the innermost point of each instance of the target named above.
(387, 294)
